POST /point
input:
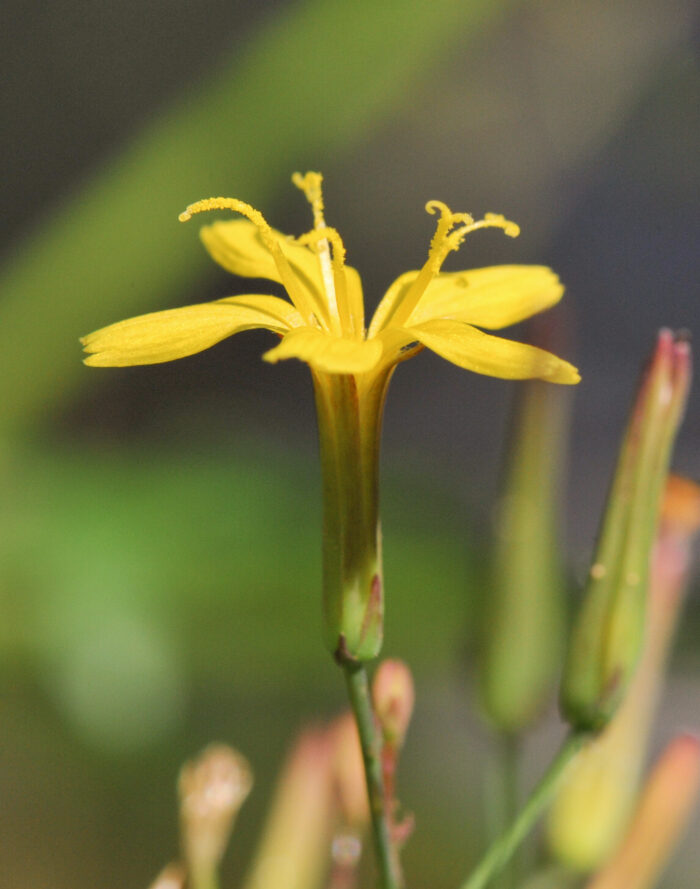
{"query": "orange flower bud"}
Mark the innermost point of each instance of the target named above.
(661, 817)
(212, 790)
(349, 772)
(394, 697)
(294, 849)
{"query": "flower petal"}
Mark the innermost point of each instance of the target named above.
(356, 304)
(326, 352)
(177, 333)
(396, 292)
(277, 309)
(237, 245)
(494, 356)
(493, 297)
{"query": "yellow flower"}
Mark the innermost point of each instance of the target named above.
(323, 324)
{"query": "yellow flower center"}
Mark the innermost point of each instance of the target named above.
(322, 238)
(333, 310)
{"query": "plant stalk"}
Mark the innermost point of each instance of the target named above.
(503, 848)
(370, 742)
(509, 800)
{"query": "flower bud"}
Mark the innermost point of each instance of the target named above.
(592, 808)
(524, 612)
(661, 817)
(349, 773)
(294, 850)
(351, 802)
(393, 696)
(212, 790)
(608, 633)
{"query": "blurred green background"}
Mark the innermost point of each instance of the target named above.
(159, 553)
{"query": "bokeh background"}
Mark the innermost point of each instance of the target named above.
(159, 555)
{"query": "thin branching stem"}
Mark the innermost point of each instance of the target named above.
(500, 852)
(370, 741)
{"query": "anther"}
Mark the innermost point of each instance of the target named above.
(440, 207)
(296, 292)
(490, 220)
(255, 216)
(310, 184)
(327, 233)
(333, 273)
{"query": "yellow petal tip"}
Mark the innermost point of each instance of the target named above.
(568, 375)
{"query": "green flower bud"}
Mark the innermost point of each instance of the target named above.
(592, 808)
(608, 633)
(524, 611)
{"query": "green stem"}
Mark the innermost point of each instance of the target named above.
(501, 850)
(508, 760)
(358, 691)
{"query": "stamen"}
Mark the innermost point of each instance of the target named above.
(439, 206)
(331, 272)
(490, 220)
(326, 233)
(318, 238)
(310, 184)
(440, 244)
(443, 242)
(296, 293)
(234, 204)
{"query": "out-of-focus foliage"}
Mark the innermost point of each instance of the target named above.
(290, 99)
(136, 548)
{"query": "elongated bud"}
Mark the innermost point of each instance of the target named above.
(349, 773)
(608, 633)
(592, 808)
(661, 817)
(393, 696)
(294, 850)
(351, 801)
(524, 630)
(680, 522)
(212, 790)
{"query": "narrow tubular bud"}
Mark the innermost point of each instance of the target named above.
(349, 773)
(608, 633)
(393, 696)
(294, 850)
(523, 629)
(212, 789)
(662, 815)
(592, 808)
